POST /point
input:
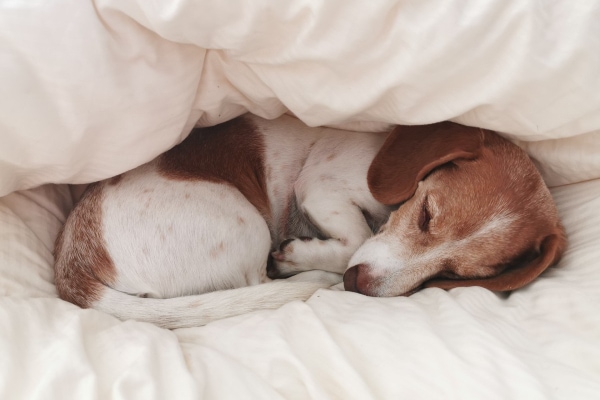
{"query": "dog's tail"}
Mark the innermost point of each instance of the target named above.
(188, 311)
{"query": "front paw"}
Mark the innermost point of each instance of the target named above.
(287, 260)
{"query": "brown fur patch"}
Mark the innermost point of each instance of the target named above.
(503, 179)
(232, 152)
(115, 180)
(494, 199)
(82, 270)
(411, 152)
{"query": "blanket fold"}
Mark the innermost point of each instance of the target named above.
(107, 85)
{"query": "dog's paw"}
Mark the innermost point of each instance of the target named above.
(293, 256)
(291, 249)
(306, 254)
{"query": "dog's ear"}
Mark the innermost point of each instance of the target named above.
(411, 152)
(519, 273)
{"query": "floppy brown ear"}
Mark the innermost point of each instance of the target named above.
(551, 250)
(411, 152)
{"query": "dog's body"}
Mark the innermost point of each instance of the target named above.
(206, 215)
(164, 242)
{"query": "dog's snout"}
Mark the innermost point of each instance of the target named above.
(350, 279)
(355, 278)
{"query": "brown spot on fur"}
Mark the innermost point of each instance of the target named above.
(232, 153)
(240, 220)
(82, 270)
(187, 195)
(115, 180)
(217, 250)
(331, 156)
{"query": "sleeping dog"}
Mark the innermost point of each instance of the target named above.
(199, 233)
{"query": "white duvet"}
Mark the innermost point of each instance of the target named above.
(90, 89)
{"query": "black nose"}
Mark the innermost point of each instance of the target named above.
(350, 278)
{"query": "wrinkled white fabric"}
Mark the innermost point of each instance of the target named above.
(94, 88)
(540, 342)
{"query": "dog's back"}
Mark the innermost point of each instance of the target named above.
(203, 217)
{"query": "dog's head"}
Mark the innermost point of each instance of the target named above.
(474, 211)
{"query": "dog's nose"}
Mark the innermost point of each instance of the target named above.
(355, 278)
(350, 279)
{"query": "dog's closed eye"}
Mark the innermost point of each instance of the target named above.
(424, 216)
(448, 275)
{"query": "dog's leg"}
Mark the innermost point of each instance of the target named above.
(341, 221)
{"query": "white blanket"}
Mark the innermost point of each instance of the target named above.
(93, 88)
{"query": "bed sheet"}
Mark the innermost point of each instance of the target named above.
(541, 342)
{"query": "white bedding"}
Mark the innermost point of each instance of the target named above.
(93, 88)
(541, 342)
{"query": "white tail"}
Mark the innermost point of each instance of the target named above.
(189, 311)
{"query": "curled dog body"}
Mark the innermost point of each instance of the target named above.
(199, 233)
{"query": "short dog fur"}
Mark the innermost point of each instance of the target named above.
(199, 233)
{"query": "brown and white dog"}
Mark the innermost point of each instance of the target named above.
(163, 243)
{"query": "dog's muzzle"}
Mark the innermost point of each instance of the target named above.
(356, 279)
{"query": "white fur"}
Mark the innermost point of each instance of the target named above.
(183, 258)
(187, 252)
(158, 218)
(324, 171)
(189, 311)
